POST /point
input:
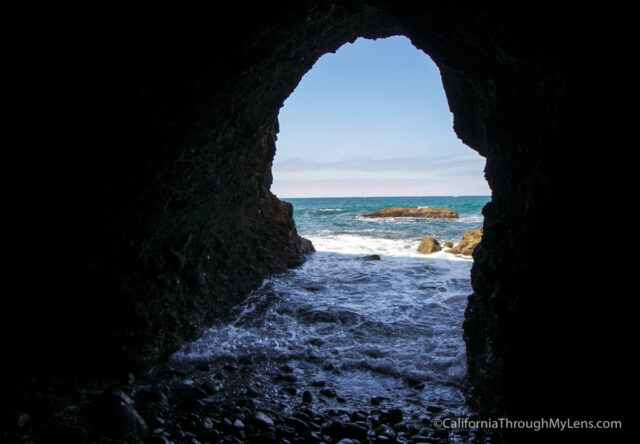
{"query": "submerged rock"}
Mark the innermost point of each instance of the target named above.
(431, 213)
(371, 257)
(429, 245)
(470, 240)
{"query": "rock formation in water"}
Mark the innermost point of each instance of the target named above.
(470, 240)
(306, 247)
(430, 213)
(429, 245)
(136, 191)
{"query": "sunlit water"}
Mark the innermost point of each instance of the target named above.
(388, 331)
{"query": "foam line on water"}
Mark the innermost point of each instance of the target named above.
(367, 245)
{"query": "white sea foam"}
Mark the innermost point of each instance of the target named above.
(366, 245)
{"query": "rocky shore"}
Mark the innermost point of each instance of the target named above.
(182, 404)
(429, 245)
(469, 242)
(430, 213)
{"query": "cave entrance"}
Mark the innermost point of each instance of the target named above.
(369, 128)
(372, 119)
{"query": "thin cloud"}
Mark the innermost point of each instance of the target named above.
(401, 164)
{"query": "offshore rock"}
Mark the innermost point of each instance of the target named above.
(429, 245)
(469, 242)
(430, 213)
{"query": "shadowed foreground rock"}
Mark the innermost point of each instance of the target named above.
(431, 213)
(470, 240)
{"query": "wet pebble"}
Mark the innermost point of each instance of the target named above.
(376, 400)
(339, 430)
(262, 420)
(289, 389)
(299, 425)
(394, 416)
(386, 430)
(190, 405)
(286, 377)
(329, 393)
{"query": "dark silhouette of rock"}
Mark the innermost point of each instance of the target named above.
(429, 245)
(113, 415)
(306, 247)
(469, 242)
(371, 257)
(429, 213)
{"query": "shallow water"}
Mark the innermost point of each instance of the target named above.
(387, 332)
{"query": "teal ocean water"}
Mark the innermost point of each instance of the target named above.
(348, 330)
(335, 224)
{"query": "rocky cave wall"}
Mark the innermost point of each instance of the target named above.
(138, 197)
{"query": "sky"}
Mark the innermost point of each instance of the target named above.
(372, 119)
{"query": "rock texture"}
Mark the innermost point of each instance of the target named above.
(135, 189)
(470, 240)
(429, 245)
(430, 213)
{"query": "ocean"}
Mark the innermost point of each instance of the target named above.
(353, 332)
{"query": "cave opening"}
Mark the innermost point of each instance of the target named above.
(372, 119)
(368, 127)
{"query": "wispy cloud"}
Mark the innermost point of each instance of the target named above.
(398, 187)
(367, 164)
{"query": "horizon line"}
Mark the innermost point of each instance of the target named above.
(374, 197)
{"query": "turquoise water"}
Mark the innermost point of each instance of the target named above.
(339, 219)
(388, 329)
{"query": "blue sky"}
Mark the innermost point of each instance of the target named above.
(373, 120)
